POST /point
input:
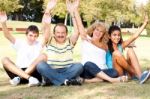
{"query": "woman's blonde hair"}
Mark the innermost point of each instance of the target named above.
(97, 25)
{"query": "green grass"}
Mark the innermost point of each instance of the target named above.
(129, 90)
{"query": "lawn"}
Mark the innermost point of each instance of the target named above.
(129, 90)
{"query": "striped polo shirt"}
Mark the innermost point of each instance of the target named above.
(59, 55)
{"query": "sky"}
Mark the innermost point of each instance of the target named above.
(138, 2)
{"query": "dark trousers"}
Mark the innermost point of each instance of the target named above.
(23, 81)
(90, 70)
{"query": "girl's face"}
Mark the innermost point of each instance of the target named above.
(98, 33)
(115, 36)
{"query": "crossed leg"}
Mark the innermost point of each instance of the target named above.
(121, 64)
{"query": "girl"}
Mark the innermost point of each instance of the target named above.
(115, 57)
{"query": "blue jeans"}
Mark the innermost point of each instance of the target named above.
(91, 70)
(58, 76)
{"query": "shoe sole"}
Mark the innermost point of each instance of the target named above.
(12, 83)
(146, 78)
(33, 85)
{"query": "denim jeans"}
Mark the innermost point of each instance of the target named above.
(91, 69)
(58, 76)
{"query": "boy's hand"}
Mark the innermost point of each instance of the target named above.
(3, 17)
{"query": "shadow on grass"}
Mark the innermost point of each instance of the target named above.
(101, 90)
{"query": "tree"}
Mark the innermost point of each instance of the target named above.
(60, 9)
(9, 5)
(147, 9)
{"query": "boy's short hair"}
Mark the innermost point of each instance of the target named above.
(32, 28)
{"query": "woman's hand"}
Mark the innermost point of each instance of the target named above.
(72, 6)
(146, 18)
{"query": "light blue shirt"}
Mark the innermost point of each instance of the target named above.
(109, 61)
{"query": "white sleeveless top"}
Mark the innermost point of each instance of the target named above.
(93, 54)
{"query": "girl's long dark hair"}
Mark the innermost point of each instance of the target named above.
(110, 31)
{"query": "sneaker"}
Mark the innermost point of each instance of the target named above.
(15, 81)
(73, 82)
(144, 76)
(33, 82)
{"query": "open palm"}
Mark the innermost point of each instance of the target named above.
(72, 6)
(3, 17)
(51, 4)
(46, 18)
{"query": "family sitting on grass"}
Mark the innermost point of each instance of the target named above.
(51, 61)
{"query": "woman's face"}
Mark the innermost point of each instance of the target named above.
(98, 33)
(115, 36)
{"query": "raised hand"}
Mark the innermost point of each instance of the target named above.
(146, 19)
(72, 6)
(51, 4)
(76, 4)
(3, 17)
(46, 18)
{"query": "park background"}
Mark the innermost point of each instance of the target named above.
(125, 13)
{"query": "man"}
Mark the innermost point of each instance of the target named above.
(59, 69)
(27, 51)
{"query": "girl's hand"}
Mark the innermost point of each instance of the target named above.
(3, 17)
(51, 4)
(146, 18)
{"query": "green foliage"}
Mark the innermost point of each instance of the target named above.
(147, 10)
(59, 10)
(108, 10)
(9, 5)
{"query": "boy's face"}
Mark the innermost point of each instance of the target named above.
(31, 37)
(60, 34)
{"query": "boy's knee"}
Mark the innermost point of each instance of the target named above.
(5, 60)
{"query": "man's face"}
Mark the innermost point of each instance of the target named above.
(60, 34)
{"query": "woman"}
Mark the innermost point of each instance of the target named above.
(94, 49)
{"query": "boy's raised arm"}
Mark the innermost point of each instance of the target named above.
(7, 34)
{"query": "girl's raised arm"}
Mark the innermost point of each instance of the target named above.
(136, 35)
